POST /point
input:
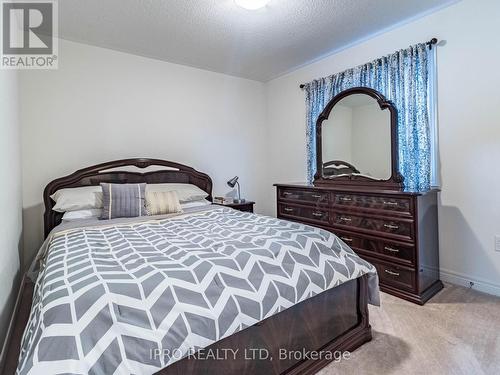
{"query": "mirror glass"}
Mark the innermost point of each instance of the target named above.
(356, 139)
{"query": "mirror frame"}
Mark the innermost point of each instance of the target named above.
(395, 181)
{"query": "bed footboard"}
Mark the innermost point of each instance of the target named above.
(300, 340)
(335, 321)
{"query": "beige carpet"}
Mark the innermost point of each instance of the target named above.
(456, 332)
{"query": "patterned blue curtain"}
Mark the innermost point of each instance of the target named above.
(403, 78)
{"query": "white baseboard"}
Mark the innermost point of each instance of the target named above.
(463, 280)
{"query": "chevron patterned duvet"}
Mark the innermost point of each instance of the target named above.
(132, 298)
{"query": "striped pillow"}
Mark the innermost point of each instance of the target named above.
(162, 202)
(123, 200)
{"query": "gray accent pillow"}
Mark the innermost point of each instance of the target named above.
(123, 200)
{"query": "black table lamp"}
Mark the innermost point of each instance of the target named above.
(231, 183)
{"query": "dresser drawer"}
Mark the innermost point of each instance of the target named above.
(394, 275)
(373, 202)
(391, 251)
(396, 228)
(306, 196)
(304, 213)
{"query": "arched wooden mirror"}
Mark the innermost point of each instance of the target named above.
(356, 141)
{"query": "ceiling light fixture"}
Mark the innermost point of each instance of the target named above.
(251, 4)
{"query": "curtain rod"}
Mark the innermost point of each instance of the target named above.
(429, 43)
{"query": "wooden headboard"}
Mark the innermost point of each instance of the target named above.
(94, 175)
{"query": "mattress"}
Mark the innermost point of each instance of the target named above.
(135, 295)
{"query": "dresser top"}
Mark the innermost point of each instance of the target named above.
(353, 189)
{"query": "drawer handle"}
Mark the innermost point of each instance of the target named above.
(390, 226)
(345, 239)
(392, 273)
(390, 203)
(343, 218)
(288, 209)
(344, 199)
(391, 249)
(316, 196)
(317, 214)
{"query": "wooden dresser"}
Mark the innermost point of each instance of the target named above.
(396, 231)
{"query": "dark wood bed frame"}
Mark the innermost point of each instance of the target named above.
(94, 175)
(310, 334)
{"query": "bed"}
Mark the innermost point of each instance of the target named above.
(210, 290)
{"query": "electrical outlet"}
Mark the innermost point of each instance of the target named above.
(497, 243)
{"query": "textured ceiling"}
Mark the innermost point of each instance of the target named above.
(219, 36)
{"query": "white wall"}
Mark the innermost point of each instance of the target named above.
(337, 135)
(469, 131)
(10, 196)
(103, 105)
(371, 140)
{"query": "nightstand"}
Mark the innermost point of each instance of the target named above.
(246, 206)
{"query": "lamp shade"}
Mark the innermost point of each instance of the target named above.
(232, 182)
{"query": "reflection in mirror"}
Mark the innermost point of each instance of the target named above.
(356, 139)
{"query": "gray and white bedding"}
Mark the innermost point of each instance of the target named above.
(135, 295)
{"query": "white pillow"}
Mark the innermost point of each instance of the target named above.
(80, 198)
(90, 197)
(199, 203)
(185, 192)
(92, 213)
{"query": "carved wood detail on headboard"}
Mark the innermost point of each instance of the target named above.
(96, 174)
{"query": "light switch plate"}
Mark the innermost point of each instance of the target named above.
(497, 243)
